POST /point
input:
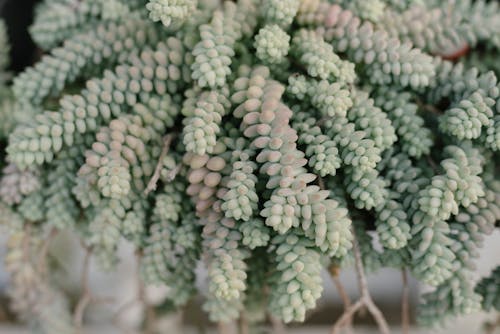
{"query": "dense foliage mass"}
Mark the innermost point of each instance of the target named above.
(261, 137)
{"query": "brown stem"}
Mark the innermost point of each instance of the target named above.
(364, 300)
(244, 326)
(86, 298)
(44, 251)
(167, 140)
(491, 327)
(405, 303)
(278, 326)
(173, 173)
(179, 318)
(456, 54)
(428, 107)
(226, 328)
(365, 293)
(150, 317)
(125, 306)
(346, 301)
(432, 163)
(83, 302)
(347, 316)
(341, 290)
(140, 298)
(321, 183)
(378, 316)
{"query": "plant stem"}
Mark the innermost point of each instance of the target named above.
(141, 299)
(428, 107)
(44, 251)
(490, 327)
(226, 328)
(86, 298)
(167, 140)
(364, 300)
(405, 303)
(346, 301)
(244, 327)
(278, 326)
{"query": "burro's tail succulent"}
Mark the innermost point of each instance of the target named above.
(261, 140)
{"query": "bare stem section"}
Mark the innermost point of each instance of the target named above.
(139, 299)
(227, 328)
(87, 297)
(334, 273)
(277, 324)
(405, 303)
(167, 141)
(364, 300)
(491, 327)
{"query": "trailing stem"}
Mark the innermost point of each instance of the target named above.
(405, 303)
(364, 300)
(167, 141)
(334, 274)
(87, 297)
